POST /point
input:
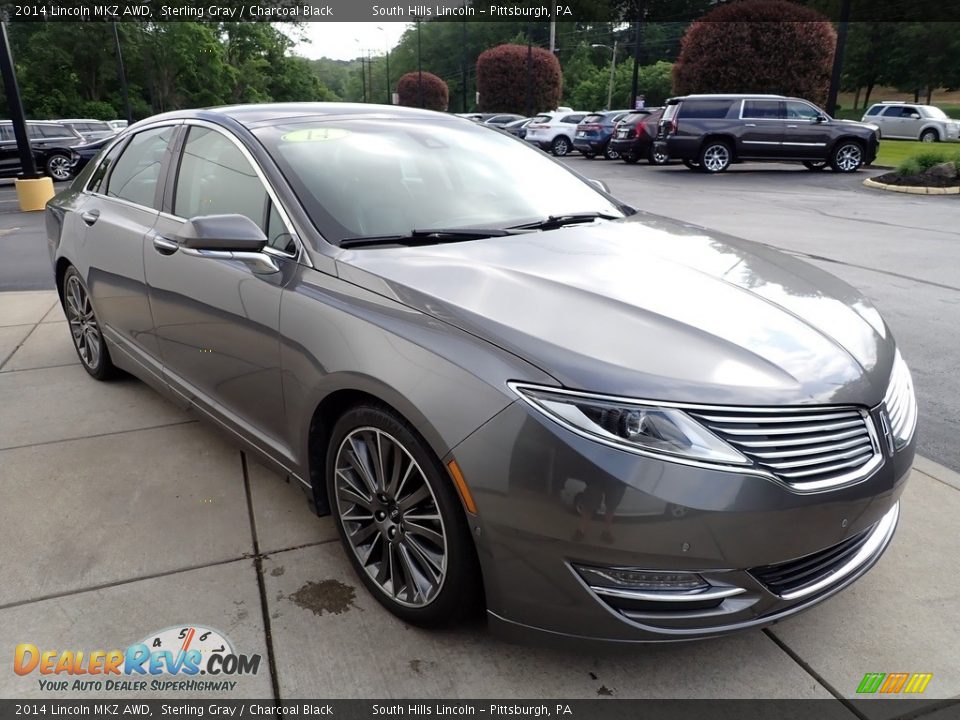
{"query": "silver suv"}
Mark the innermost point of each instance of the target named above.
(909, 121)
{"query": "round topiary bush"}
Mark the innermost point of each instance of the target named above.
(757, 46)
(503, 82)
(436, 94)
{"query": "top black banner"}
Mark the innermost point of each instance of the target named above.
(380, 11)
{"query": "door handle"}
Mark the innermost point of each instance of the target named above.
(164, 246)
(90, 216)
(792, 126)
(751, 124)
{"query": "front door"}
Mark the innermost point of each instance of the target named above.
(805, 134)
(218, 319)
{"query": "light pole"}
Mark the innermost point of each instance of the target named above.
(613, 68)
(386, 45)
(363, 71)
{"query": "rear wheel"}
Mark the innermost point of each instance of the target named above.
(847, 157)
(657, 157)
(399, 518)
(560, 146)
(929, 136)
(815, 165)
(84, 328)
(609, 153)
(58, 167)
(715, 156)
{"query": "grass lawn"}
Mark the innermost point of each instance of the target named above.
(894, 152)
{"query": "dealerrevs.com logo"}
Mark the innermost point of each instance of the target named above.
(170, 660)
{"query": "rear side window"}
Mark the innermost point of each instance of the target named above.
(706, 109)
(875, 110)
(541, 119)
(96, 180)
(216, 179)
(892, 111)
(137, 171)
(761, 109)
(54, 131)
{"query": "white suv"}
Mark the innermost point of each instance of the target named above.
(554, 130)
(911, 121)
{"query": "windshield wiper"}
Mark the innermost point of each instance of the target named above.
(551, 222)
(425, 237)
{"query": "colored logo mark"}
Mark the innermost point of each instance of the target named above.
(892, 683)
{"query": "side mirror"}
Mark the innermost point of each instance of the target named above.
(599, 185)
(820, 119)
(914, 116)
(236, 233)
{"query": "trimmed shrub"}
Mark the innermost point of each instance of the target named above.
(436, 94)
(502, 80)
(757, 46)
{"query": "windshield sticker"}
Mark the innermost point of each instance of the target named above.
(315, 135)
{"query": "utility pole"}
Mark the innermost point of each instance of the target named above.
(613, 68)
(463, 67)
(529, 73)
(363, 76)
(838, 58)
(637, 43)
(553, 29)
(122, 75)
(419, 68)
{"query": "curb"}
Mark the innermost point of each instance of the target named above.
(936, 471)
(911, 189)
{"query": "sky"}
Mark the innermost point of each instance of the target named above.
(345, 41)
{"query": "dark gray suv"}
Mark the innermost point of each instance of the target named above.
(709, 132)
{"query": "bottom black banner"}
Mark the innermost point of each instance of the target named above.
(900, 709)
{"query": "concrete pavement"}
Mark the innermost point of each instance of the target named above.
(122, 515)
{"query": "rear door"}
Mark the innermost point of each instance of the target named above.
(119, 212)
(761, 134)
(889, 121)
(217, 318)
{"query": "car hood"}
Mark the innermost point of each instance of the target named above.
(649, 308)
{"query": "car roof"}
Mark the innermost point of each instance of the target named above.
(79, 120)
(255, 115)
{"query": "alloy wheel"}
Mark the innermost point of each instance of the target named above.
(59, 167)
(390, 516)
(561, 147)
(83, 323)
(849, 157)
(658, 157)
(716, 158)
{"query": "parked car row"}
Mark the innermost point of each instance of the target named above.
(60, 147)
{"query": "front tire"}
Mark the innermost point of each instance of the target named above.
(715, 156)
(847, 157)
(58, 167)
(85, 329)
(560, 146)
(929, 136)
(399, 518)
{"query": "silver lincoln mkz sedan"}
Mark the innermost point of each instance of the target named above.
(507, 387)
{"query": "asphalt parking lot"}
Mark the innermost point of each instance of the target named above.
(122, 515)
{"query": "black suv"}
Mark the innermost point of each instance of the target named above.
(708, 132)
(52, 145)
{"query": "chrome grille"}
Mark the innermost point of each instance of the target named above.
(809, 448)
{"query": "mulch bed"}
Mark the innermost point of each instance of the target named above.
(892, 178)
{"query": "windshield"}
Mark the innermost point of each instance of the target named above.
(364, 178)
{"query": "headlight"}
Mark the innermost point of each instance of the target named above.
(901, 403)
(635, 426)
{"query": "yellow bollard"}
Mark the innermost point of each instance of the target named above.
(33, 194)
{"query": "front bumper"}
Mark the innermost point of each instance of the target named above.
(550, 500)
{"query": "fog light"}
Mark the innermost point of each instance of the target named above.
(647, 580)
